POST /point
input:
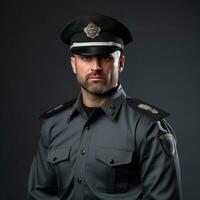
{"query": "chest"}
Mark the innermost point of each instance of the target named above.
(96, 148)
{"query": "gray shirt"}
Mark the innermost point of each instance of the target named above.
(124, 150)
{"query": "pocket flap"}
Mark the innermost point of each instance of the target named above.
(114, 157)
(57, 155)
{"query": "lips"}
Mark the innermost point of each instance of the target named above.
(96, 77)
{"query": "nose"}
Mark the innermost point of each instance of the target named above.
(96, 65)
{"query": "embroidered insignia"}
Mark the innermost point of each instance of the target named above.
(92, 30)
(168, 143)
(56, 108)
(151, 111)
(147, 107)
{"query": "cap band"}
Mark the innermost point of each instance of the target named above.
(88, 44)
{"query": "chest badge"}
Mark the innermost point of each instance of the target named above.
(92, 30)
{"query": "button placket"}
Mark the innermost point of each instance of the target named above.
(82, 161)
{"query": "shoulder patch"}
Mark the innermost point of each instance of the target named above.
(147, 109)
(57, 109)
(168, 143)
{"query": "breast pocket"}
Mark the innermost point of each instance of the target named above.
(114, 169)
(61, 162)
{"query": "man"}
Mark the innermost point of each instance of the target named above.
(103, 145)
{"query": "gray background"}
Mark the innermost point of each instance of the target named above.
(162, 68)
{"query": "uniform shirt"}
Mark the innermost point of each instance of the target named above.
(116, 153)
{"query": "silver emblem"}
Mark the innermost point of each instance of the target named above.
(169, 144)
(148, 107)
(112, 109)
(92, 30)
(154, 111)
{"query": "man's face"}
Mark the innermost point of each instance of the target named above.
(98, 74)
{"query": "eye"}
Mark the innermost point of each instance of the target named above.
(107, 57)
(85, 58)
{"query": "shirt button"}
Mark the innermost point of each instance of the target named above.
(111, 161)
(54, 159)
(79, 180)
(83, 151)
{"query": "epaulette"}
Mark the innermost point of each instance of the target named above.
(147, 109)
(57, 109)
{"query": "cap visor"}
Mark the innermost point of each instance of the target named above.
(91, 51)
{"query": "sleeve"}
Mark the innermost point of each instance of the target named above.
(42, 180)
(158, 161)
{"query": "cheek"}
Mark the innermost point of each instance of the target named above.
(81, 69)
(112, 72)
(116, 73)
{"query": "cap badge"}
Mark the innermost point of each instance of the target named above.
(92, 30)
(147, 107)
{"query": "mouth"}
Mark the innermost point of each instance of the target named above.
(96, 77)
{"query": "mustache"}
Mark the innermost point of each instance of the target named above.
(95, 73)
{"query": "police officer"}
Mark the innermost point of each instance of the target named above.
(103, 145)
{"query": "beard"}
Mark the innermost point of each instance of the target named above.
(99, 87)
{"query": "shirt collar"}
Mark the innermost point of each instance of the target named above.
(111, 106)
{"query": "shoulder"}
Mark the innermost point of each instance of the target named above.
(55, 110)
(146, 109)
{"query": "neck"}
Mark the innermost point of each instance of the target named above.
(91, 100)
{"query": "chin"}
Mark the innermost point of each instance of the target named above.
(98, 90)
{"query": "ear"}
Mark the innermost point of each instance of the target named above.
(73, 64)
(121, 63)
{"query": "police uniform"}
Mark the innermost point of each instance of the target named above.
(124, 149)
